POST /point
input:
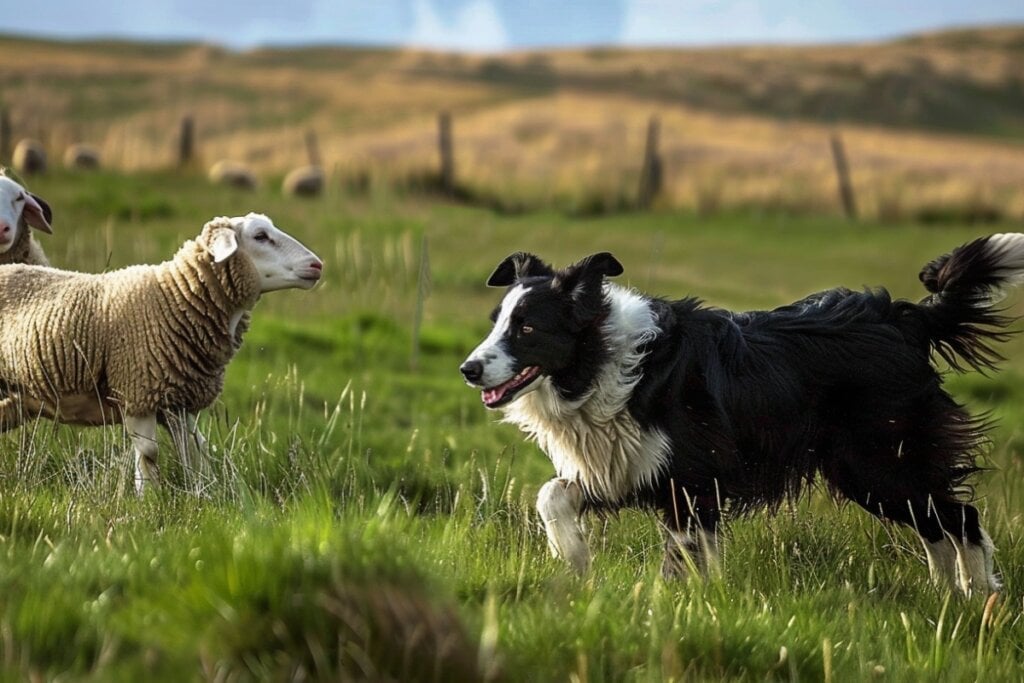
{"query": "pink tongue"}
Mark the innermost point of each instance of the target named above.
(494, 395)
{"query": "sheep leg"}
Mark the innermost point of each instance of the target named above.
(192, 447)
(143, 433)
(12, 413)
(201, 463)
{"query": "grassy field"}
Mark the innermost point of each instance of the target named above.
(931, 123)
(371, 521)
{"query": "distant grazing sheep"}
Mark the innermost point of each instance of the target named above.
(29, 157)
(81, 156)
(21, 210)
(305, 181)
(144, 344)
(232, 174)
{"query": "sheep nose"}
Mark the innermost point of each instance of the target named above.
(316, 265)
(5, 227)
(472, 370)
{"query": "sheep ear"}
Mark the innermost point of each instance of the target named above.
(37, 213)
(222, 244)
(517, 266)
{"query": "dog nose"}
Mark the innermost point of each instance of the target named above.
(472, 370)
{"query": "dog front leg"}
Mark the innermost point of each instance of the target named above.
(559, 504)
(691, 537)
(691, 551)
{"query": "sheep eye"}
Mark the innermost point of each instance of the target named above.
(261, 237)
(526, 329)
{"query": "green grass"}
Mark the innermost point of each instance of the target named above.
(368, 516)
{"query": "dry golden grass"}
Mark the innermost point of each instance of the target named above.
(568, 146)
(563, 127)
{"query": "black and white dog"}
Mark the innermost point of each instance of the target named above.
(695, 411)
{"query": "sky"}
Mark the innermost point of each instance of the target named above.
(498, 25)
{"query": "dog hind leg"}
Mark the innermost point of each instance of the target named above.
(959, 552)
(942, 560)
(975, 552)
(559, 503)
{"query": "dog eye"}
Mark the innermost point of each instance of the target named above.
(526, 329)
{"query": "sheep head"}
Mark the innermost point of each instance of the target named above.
(16, 203)
(281, 261)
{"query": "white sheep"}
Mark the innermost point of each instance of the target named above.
(29, 157)
(81, 156)
(305, 181)
(144, 344)
(20, 210)
(232, 174)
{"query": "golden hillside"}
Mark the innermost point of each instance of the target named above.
(929, 122)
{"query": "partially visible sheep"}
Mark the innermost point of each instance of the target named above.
(232, 174)
(29, 157)
(305, 181)
(81, 156)
(144, 344)
(19, 211)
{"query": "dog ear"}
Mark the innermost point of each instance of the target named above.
(583, 281)
(602, 263)
(587, 272)
(517, 266)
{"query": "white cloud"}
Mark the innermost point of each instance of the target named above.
(477, 27)
(702, 22)
(373, 21)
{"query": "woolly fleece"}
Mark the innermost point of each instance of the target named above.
(91, 348)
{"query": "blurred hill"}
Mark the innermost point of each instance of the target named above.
(968, 80)
(936, 109)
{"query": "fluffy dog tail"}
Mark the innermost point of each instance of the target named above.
(966, 284)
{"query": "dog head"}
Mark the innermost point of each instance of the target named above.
(539, 325)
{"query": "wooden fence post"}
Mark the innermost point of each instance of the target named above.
(843, 176)
(186, 141)
(651, 172)
(444, 148)
(5, 136)
(312, 148)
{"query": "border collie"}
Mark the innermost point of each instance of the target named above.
(696, 411)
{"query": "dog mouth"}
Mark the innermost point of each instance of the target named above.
(505, 392)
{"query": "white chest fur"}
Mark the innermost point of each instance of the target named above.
(595, 440)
